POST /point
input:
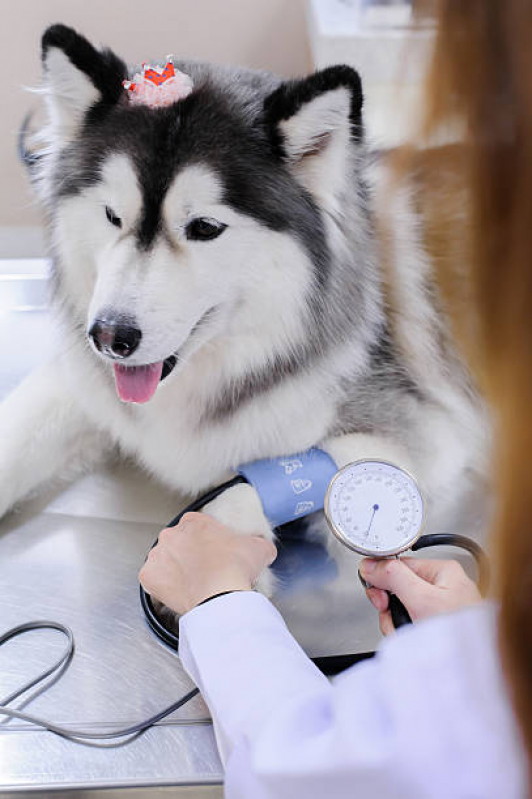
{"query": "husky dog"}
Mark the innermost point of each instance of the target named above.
(218, 275)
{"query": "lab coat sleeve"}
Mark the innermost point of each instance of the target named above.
(214, 640)
(282, 728)
(430, 715)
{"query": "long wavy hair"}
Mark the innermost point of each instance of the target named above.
(481, 81)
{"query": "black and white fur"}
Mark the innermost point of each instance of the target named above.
(279, 328)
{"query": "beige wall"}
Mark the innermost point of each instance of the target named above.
(269, 34)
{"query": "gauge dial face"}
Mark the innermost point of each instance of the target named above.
(374, 508)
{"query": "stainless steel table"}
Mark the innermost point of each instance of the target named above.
(73, 555)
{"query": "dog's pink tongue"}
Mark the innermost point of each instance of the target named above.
(137, 383)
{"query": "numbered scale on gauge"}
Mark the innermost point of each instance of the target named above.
(374, 508)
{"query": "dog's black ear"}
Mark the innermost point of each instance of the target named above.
(77, 76)
(313, 121)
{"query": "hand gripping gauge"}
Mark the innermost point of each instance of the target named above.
(376, 509)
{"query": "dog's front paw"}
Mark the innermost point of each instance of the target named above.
(266, 583)
(240, 509)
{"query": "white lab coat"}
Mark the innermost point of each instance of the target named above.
(428, 717)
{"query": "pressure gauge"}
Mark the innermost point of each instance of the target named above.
(375, 508)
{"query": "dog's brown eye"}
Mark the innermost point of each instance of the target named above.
(204, 229)
(112, 217)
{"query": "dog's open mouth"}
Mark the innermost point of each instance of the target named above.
(139, 383)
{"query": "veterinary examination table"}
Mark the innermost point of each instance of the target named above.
(72, 555)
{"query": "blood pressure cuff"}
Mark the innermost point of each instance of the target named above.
(291, 487)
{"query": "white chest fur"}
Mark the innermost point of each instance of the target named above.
(174, 438)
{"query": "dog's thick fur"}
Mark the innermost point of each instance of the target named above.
(280, 325)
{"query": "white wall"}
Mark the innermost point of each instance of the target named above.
(268, 34)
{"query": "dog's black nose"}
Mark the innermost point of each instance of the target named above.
(115, 337)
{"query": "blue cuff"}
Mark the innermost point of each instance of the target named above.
(291, 487)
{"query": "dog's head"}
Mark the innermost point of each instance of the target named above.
(206, 218)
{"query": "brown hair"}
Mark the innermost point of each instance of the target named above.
(481, 77)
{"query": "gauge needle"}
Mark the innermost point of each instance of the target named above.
(375, 509)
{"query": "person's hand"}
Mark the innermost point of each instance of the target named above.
(199, 558)
(425, 587)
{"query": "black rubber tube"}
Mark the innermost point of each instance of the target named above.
(400, 615)
(461, 542)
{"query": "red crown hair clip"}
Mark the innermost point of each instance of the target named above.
(157, 87)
